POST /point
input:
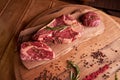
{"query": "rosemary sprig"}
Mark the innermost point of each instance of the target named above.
(71, 75)
(56, 27)
(116, 76)
(74, 76)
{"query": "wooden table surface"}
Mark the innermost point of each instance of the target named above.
(14, 16)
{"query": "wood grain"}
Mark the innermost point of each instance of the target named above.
(6, 61)
(84, 48)
(3, 5)
(117, 19)
(13, 14)
(9, 20)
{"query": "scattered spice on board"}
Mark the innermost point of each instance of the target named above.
(116, 51)
(105, 76)
(93, 75)
(99, 56)
(47, 75)
(83, 56)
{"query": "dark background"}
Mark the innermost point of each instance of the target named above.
(111, 7)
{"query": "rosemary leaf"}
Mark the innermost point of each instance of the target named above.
(56, 27)
(71, 75)
(116, 76)
(74, 76)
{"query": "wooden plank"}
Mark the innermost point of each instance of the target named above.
(34, 9)
(84, 48)
(8, 22)
(107, 4)
(8, 26)
(117, 19)
(21, 16)
(3, 5)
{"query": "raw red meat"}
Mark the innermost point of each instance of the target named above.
(90, 19)
(72, 30)
(66, 36)
(44, 36)
(36, 51)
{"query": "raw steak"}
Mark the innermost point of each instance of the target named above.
(36, 51)
(63, 29)
(90, 19)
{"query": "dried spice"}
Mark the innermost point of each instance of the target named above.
(47, 75)
(116, 51)
(96, 73)
(99, 56)
(105, 76)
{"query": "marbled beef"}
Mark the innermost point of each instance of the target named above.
(36, 51)
(91, 19)
(63, 29)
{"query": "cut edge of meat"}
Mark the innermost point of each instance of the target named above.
(40, 52)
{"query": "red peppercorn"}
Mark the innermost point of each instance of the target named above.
(93, 75)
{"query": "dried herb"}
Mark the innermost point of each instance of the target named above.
(74, 76)
(116, 76)
(56, 27)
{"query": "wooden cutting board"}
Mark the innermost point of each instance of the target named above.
(61, 49)
(57, 68)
